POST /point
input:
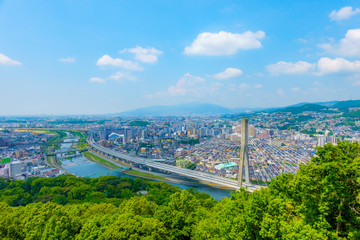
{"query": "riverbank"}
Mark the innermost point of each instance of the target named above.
(95, 157)
(51, 161)
(136, 172)
(98, 166)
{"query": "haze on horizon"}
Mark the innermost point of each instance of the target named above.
(88, 57)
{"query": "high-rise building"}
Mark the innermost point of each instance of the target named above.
(321, 141)
(18, 154)
(2, 143)
(252, 131)
(270, 132)
(4, 172)
(331, 139)
(15, 168)
(237, 129)
(203, 132)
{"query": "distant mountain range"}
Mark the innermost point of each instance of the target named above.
(180, 110)
(207, 109)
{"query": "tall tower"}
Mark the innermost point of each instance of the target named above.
(244, 155)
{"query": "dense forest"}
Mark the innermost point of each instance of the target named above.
(320, 201)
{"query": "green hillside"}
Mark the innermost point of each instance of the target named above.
(304, 108)
(347, 104)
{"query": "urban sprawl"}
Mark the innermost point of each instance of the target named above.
(278, 142)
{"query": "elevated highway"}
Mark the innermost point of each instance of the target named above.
(149, 164)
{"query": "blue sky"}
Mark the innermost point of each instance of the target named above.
(78, 57)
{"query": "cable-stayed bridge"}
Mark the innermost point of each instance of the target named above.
(152, 165)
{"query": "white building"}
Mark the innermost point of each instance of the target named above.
(4, 172)
(15, 168)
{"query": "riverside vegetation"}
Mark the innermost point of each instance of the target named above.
(320, 201)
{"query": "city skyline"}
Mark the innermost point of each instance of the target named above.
(93, 58)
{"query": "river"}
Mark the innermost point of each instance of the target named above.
(81, 167)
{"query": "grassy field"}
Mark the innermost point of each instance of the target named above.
(58, 137)
(82, 145)
(144, 174)
(99, 159)
(82, 135)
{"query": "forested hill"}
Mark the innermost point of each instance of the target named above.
(306, 107)
(341, 106)
(321, 201)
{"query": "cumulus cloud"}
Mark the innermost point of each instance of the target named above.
(290, 68)
(258, 86)
(185, 85)
(4, 60)
(146, 55)
(67, 60)
(224, 43)
(338, 65)
(120, 76)
(343, 14)
(324, 66)
(118, 62)
(348, 46)
(228, 73)
(97, 79)
(295, 89)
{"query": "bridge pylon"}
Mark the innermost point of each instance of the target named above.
(244, 154)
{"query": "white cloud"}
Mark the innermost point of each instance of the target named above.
(186, 84)
(343, 13)
(120, 76)
(338, 65)
(147, 55)
(67, 60)
(348, 46)
(324, 66)
(290, 68)
(280, 92)
(224, 43)
(258, 86)
(228, 73)
(4, 60)
(302, 40)
(97, 79)
(295, 89)
(118, 62)
(213, 88)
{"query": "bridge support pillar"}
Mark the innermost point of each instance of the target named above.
(244, 155)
